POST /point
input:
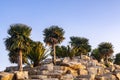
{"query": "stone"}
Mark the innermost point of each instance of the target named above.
(117, 74)
(86, 77)
(92, 70)
(66, 60)
(75, 65)
(84, 57)
(107, 76)
(100, 70)
(67, 77)
(82, 72)
(54, 75)
(11, 69)
(44, 72)
(19, 75)
(48, 67)
(38, 77)
(6, 76)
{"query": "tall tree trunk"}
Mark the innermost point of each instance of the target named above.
(80, 55)
(106, 59)
(20, 68)
(54, 54)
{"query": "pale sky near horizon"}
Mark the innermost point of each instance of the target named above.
(97, 20)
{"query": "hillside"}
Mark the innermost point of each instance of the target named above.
(67, 69)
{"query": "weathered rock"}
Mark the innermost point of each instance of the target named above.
(76, 66)
(44, 72)
(6, 76)
(117, 74)
(38, 77)
(19, 75)
(67, 77)
(48, 67)
(66, 60)
(82, 72)
(108, 76)
(11, 69)
(100, 70)
(84, 57)
(86, 77)
(54, 75)
(111, 68)
(92, 70)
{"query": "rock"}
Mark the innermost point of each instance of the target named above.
(11, 69)
(100, 70)
(92, 70)
(67, 77)
(111, 68)
(82, 72)
(51, 79)
(54, 75)
(44, 72)
(108, 76)
(77, 66)
(48, 67)
(117, 74)
(84, 57)
(21, 75)
(117, 67)
(86, 77)
(6, 76)
(38, 77)
(47, 61)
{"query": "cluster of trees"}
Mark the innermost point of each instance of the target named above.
(23, 50)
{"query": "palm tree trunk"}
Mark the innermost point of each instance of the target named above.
(20, 68)
(54, 56)
(80, 55)
(106, 59)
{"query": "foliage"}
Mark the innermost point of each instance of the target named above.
(96, 54)
(18, 41)
(13, 57)
(37, 54)
(62, 51)
(117, 59)
(80, 45)
(106, 50)
(52, 36)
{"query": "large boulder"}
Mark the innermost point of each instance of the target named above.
(92, 70)
(67, 77)
(82, 72)
(48, 67)
(21, 75)
(11, 69)
(107, 76)
(6, 76)
(41, 77)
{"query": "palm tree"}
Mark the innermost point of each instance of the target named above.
(117, 59)
(96, 54)
(106, 50)
(52, 36)
(80, 45)
(37, 54)
(13, 57)
(18, 41)
(62, 51)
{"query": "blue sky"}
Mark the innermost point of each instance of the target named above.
(97, 20)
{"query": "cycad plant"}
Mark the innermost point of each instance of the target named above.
(37, 54)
